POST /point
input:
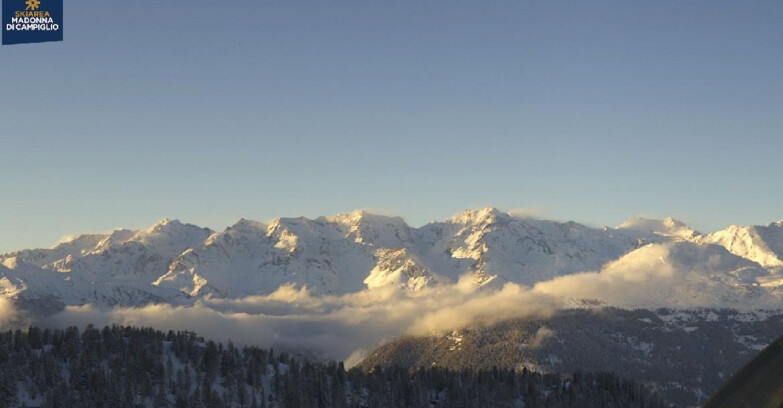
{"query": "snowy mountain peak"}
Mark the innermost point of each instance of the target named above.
(363, 226)
(116, 237)
(479, 216)
(77, 245)
(243, 224)
(242, 236)
(170, 237)
(10, 263)
(362, 216)
(399, 268)
(168, 227)
(760, 244)
(82, 241)
(163, 223)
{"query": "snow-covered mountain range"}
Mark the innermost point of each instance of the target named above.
(173, 262)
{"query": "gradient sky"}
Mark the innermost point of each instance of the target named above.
(210, 111)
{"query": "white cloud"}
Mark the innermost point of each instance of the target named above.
(340, 327)
(527, 212)
(8, 313)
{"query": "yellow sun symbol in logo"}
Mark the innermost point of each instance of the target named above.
(32, 4)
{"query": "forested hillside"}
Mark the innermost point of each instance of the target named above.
(685, 355)
(135, 367)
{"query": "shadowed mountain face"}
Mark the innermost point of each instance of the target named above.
(759, 384)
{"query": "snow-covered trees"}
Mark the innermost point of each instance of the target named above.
(125, 367)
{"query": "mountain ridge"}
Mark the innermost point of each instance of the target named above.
(360, 250)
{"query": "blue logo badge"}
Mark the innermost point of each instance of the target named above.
(32, 21)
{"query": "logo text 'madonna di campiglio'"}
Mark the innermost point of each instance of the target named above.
(32, 21)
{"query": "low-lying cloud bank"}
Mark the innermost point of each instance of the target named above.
(346, 327)
(338, 327)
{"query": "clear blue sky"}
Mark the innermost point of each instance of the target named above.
(209, 111)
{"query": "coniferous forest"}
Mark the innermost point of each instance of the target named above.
(121, 367)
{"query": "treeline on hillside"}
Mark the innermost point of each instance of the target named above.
(124, 367)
